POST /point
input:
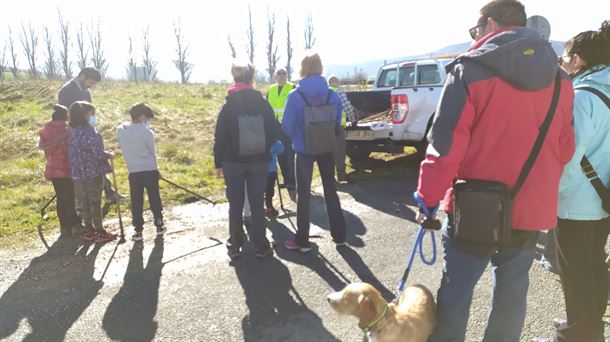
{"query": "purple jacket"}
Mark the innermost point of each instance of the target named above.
(86, 155)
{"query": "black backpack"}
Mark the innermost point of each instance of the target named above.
(320, 126)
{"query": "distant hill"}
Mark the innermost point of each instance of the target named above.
(371, 67)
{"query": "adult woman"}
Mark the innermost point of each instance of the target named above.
(54, 142)
(313, 91)
(583, 224)
(245, 131)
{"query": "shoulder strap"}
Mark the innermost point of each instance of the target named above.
(330, 92)
(304, 98)
(599, 94)
(544, 128)
(593, 177)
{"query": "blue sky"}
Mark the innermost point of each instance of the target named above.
(347, 32)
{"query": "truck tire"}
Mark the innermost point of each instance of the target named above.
(356, 152)
(422, 146)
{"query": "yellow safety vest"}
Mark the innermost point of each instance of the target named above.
(343, 115)
(278, 101)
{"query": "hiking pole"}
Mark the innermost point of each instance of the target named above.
(44, 208)
(187, 190)
(118, 206)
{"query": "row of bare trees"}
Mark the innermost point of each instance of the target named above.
(89, 51)
(272, 47)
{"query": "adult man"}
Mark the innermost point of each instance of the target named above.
(348, 114)
(277, 96)
(494, 101)
(77, 89)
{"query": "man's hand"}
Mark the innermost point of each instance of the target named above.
(220, 173)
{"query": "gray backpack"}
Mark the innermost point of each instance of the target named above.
(251, 130)
(320, 126)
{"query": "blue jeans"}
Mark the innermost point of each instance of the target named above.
(464, 265)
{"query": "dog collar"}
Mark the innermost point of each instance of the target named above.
(367, 328)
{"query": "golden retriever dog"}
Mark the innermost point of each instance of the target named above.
(412, 319)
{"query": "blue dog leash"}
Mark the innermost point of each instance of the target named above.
(419, 242)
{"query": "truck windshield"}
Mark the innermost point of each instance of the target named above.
(387, 78)
(407, 76)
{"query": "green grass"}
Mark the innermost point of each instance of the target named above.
(184, 125)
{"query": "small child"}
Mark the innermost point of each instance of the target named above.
(54, 142)
(276, 149)
(88, 166)
(137, 142)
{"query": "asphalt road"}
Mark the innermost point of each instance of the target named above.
(182, 287)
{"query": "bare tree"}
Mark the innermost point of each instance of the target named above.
(64, 30)
(97, 53)
(182, 51)
(310, 39)
(13, 51)
(288, 49)
(132, 72)
(250, 46)
(150, 65)
(83, 53)
(51, 68)
(233, 54)
(29, 42)
(3, 63)
(272, 56)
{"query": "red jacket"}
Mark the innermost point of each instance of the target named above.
(495, 98)
(57, 156)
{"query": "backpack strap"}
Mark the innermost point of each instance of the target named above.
(330, 92)
(599, 94)
(304, 98)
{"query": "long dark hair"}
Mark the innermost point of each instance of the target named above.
(60, 113)
(78, 113)
(593, 47)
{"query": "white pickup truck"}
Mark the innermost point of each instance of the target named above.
(398, 111)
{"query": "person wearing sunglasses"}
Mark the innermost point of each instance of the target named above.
(490, 112)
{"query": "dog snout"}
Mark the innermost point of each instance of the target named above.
(334, 297)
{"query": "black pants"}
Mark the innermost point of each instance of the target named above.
(66, 212)
(270, 189)
(304, 171)
(138, 181)
(584, 278)
(286, 161)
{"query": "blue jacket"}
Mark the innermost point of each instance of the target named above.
(276, 148)
(294, 122)
(577, 197)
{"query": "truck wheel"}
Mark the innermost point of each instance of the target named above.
(357, 153)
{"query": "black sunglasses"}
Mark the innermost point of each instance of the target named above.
(473, 30)
(280, 73)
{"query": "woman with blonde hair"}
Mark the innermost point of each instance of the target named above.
(311, 118)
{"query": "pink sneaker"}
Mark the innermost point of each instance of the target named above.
(90, 235)
(292, 245)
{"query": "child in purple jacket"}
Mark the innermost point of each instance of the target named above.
(88, 165)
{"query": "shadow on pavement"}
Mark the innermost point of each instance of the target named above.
(276, 310)
(365, 274)
(131, 314)
(52, 293)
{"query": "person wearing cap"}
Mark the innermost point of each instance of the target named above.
(137, 142)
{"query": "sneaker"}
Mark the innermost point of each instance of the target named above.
(271, 212)
(233, 252)
(262, 253)
(558, 322)
(292, 245)
(115, 198)
(137, 236)
(90, 235)
(104, 237)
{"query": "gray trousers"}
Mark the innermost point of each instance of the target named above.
(340, 152)
(89, 198)
(237, 177)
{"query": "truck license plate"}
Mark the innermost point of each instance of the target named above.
(360, 135)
